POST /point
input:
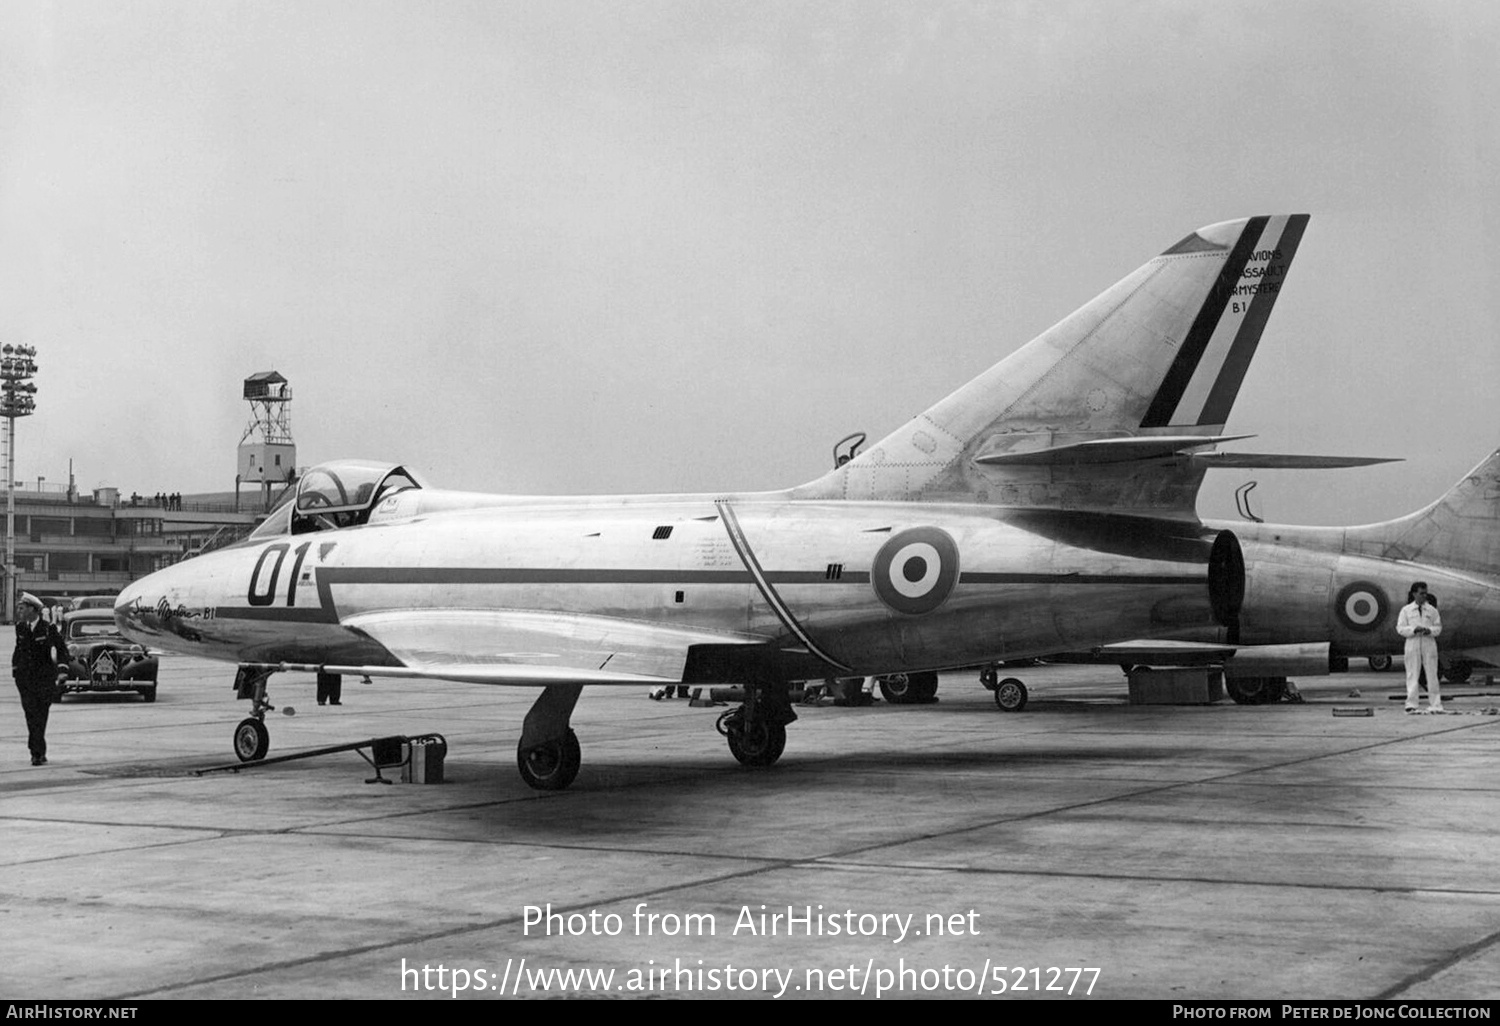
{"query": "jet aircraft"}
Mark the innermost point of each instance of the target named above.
(1045, 506)
(1318, 596)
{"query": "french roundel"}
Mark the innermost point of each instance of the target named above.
(914, 571)
(1361, 606)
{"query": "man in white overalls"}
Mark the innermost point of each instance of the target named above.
(1420, 624)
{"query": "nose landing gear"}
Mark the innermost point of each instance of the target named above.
(251, 736)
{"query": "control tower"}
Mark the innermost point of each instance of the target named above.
(267, 455)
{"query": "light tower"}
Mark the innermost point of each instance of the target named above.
(267, 455)
(17, 399)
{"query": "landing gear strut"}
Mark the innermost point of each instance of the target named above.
(251, 737)
(756, 731)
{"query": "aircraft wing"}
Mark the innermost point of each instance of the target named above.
(1300, 658)
(1284, 461)
(513, 647)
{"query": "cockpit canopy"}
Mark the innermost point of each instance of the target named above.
(338, 494)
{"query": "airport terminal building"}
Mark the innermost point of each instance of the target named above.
(70, 544)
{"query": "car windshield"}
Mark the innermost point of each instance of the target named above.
(91, 628)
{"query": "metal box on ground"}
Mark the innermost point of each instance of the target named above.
(424, 760)
(1183, 686)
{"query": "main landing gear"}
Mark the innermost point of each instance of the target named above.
(909, 688)
(1256, 690)
(548, 755)
(756, 731)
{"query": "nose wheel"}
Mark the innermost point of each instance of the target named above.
(251, 739)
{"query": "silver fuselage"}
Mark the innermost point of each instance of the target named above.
(745, 570)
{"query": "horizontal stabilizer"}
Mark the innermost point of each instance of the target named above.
(1105, 450)
(1282, 461)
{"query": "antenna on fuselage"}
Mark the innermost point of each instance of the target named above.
(1242, 501)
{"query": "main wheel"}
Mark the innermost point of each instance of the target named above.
(553, 765)
(1010, 695)
(148, 693)
(925, 686)
(1458, 671)
(909, 688)
(758, 743)
(1380, 663)
(1255, 690)
(896, 689)
(251, 739)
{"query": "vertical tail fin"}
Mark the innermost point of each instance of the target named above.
(1461, 529)
(1162, 352)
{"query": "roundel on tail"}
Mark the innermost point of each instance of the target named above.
(915, 570)
(1361, 606)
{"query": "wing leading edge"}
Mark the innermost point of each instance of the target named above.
(530, 649)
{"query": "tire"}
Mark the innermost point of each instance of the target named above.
(147, 693)
(251, 739)
(1457, 672)
(1255, 690)
(551, 766)
(1338, 664)
(896, 689)
(759, 744)
(1380, 663)
(924, 685)
(1010, 695)
(909, 688)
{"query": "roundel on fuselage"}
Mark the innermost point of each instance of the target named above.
(1361, 606)
(915, 570)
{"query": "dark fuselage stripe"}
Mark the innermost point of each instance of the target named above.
(327, 577)
(1065, 578)
(741, 546)
(1180, 374)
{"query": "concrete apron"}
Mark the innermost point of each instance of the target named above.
(1183, 852)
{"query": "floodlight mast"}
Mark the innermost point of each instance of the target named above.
(17, 399)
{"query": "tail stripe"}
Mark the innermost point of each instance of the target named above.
(1164, 405)
(1262, 298)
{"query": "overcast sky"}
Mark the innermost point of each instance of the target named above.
(569, 247)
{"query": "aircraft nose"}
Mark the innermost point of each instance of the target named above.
(127, 606)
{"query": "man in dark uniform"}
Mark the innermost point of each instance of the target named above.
(39, 648)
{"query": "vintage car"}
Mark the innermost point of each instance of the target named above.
(101, 659)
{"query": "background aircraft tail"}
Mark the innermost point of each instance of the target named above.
(1104, 410)
(1460, 530)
